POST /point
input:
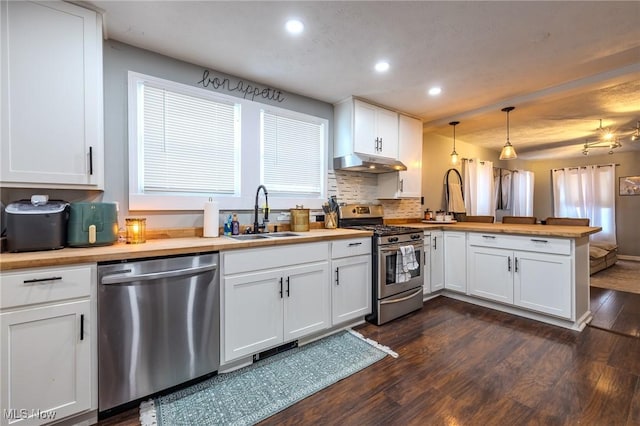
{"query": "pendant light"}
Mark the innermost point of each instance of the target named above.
(454, 154)
(508, 151)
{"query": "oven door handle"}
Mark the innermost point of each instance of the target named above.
(388, 302)
(394, 248)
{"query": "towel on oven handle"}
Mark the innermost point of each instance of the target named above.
(405, 263)
(409, 262)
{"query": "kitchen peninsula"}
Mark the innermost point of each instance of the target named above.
(536, 271)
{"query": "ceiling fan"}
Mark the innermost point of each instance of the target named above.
(635, 136)
(606, 138)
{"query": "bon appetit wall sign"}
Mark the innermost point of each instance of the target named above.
(249, 91)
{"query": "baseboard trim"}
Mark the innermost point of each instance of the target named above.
(627, 257)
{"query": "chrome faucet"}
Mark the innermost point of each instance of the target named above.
(265, 219)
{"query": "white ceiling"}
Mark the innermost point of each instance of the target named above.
(563, 65)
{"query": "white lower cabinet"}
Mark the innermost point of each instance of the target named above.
(542, 282)
(47, 349)
(287, 299)
(538, 281)
(351, 281)
(455, 265)
(490, 273)
(426, 286)
(437, 260)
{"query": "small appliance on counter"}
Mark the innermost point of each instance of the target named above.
(36, 224)
(299, 219)
(92, 224)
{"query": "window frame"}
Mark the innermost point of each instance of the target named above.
(247, 155)
(299, 198)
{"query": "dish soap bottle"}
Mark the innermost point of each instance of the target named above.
(227, 226)
(235, 225)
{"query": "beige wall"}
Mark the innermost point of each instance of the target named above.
(436, 152)
(627, 207)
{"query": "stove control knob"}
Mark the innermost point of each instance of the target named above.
(393, 239)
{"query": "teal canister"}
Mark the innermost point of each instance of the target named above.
(92, 224)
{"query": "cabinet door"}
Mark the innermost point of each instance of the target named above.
(437, 260)
(387, 132)
(51, 95)
(351, 288)
(306, 300)
(365, 133)
(252, 313)
(410, 153)
(490, 273)
(455, 267)
(46, 363)
(543, 282)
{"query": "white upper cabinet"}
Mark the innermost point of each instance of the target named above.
(406, 184)
(51, 96)
(364, 128)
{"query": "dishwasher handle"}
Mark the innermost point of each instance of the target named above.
(118, 278)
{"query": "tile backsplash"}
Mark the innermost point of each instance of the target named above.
(357, 187)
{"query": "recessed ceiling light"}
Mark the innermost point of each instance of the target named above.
(382, 66)
(294, 26)
(435, 91)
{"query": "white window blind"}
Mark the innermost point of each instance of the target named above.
(189, 143)
(292, 154)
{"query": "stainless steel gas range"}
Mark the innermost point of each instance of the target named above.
(398, 270)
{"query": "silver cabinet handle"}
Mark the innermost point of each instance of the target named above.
(489, 236)
(535, 240)
(337, 276)
(435, 243)
(354, 244)
(509, 263)
(118, 278)
(516, 264)
(401, 185)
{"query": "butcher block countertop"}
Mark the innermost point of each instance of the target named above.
(513, 228)
(162, 247)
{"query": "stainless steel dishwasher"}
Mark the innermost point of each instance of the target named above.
(159, 325)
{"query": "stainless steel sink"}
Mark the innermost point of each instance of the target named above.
(283, 234)
(245, 237)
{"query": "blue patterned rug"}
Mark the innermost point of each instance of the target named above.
(253, 393)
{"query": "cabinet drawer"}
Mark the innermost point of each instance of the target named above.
(45, 285)
(258, 259)
(351, 247)
(533, 243)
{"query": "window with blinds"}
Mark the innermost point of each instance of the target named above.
(189, 143)
(292, 147)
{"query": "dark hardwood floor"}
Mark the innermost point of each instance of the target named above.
(617, 311)
(462, 364)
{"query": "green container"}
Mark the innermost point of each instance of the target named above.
(92, 224)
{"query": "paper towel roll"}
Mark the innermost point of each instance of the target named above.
(211, 218)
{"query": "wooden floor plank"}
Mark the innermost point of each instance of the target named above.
(462, 364)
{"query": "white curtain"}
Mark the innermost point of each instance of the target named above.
(522, 194)
(587, 192)
(479, 188)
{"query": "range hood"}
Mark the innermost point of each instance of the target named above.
(357, 162)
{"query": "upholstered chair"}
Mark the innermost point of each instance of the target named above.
(567, 221)
(527, 220)
(483, 219)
